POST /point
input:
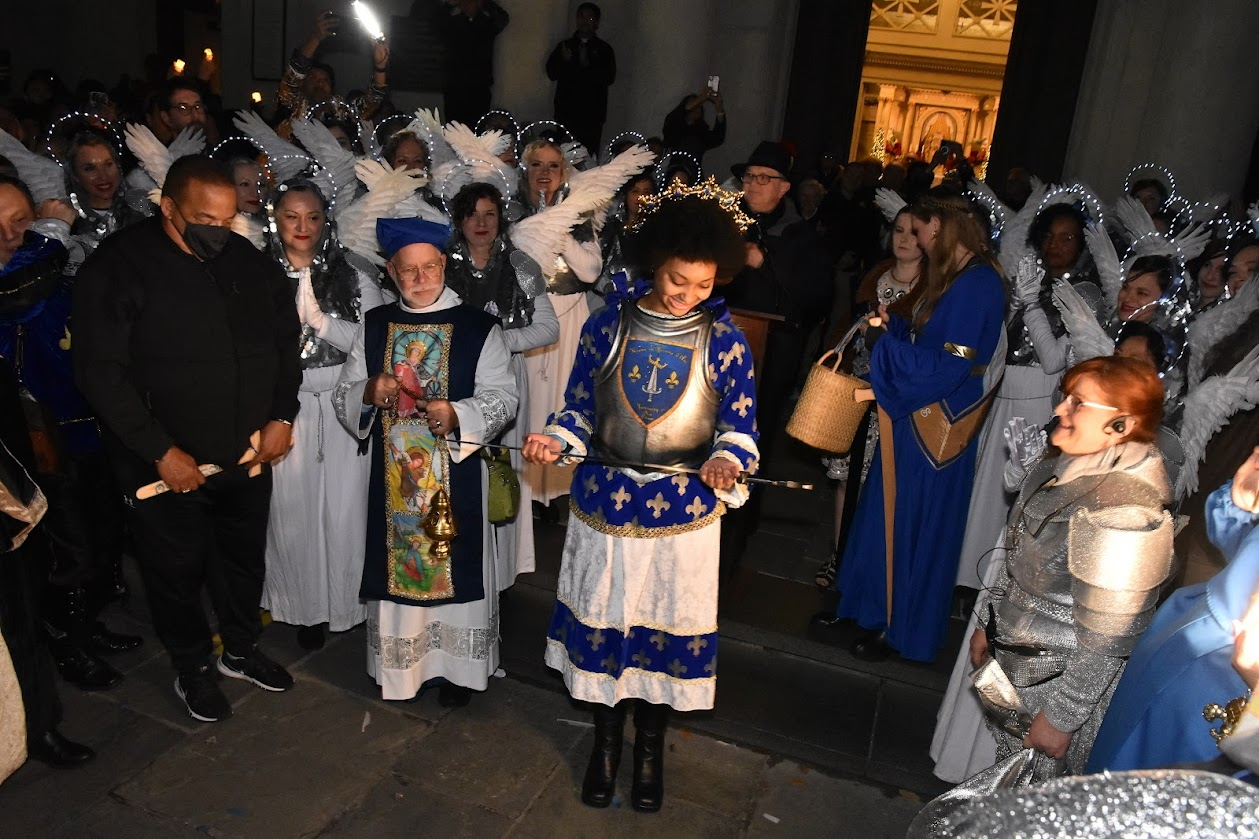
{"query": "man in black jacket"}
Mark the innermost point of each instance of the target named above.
(186, 344)
(788, 273)
(468, 29)
(583, 67)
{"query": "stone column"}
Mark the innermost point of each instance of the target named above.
(1171, 83)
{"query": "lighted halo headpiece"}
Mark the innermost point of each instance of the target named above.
(708, 189)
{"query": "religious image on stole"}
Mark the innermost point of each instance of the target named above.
(416, 465)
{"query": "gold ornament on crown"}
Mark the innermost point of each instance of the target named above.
(708, 189)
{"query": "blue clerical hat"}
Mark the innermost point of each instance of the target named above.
(394, 234)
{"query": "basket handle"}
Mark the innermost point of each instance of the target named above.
(848, 336)
(839, 348)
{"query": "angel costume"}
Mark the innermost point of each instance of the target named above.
(528, 322)
(934, 378)
(1090, 543)
(1036, 357)
(636, 611)
(429, 619)
(567, 280)
(318, 522)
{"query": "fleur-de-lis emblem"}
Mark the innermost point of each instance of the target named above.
(742, 404)
(677, 668)
(697, 508)
(591, 485)
(673, 380)
(659, 640)
(635, 374)
(696, 644)
(620, 497)
(735, 353)
(681, 482)
(658, 505)
(579, 392)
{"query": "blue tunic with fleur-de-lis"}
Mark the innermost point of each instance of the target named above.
(620, 502)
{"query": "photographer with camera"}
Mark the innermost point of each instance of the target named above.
(309, 82)
(686, 128)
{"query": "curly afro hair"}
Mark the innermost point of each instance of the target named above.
(692, 229)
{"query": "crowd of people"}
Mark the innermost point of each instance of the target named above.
(1057, 382)
(331, 364)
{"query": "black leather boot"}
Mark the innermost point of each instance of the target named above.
(103, 641)
(650, 722)
(81, 668)
(600, 781)
(57, 751)
(871, 646)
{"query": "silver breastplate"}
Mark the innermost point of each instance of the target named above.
(654, 402)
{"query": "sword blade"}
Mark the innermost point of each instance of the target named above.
(744, 477)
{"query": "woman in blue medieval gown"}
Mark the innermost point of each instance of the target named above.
(932, 379)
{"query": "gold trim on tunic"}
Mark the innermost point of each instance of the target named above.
(960, 351)
(633, 530)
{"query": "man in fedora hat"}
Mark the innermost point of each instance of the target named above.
(788, 273)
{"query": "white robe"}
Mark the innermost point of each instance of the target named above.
(549, 367)
(318, 524)
(410, 645)
(515, 539)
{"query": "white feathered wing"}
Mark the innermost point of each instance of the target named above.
(285, 159)
(1109, 269)
(890, 202)
(1208, 408)
(1217, 323)
(1088, 338)
(43, 177)
(541, 236)
(338, 162)
(387, 192)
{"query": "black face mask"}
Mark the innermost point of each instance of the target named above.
(206, 241)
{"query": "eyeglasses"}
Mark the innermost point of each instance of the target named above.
(411, 272)
(185, 108)
(1074, 403)
(760, 179)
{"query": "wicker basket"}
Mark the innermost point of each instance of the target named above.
(826, 417)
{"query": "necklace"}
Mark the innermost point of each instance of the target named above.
(910, 281)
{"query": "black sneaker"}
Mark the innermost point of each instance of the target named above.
(257, 668)
(202, 697)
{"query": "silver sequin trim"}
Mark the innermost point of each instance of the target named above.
(470, 643)
(494, 412)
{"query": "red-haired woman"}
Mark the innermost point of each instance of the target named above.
(928, 376)
(1090, 542)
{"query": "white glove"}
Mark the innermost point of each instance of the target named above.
(1027, 282)
(308, 310)
(1027, 442)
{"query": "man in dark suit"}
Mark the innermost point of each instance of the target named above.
(583, 67)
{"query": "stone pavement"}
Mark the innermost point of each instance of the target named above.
(329, 758)
(804, 740)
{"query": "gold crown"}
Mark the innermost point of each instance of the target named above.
(707, 189)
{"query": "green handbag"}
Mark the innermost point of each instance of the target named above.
(503, 500)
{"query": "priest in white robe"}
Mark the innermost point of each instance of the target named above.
(429, 380)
